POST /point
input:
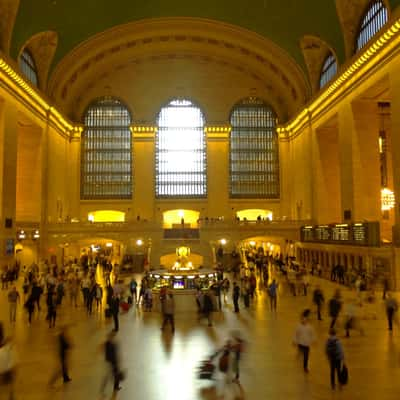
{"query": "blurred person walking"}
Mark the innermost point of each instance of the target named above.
(13, 300)
(304, 337)
(335, 305)
(318, 300)
(30, 307)
(236, 296)
(335, 354)
(114, 307)
(391, 309)
(208, 307)
(168, 308)
(7, 365)
(273, 294)
(51, 308)
(64, 346)
(111, 353)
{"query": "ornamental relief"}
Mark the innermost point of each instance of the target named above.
(262, 56)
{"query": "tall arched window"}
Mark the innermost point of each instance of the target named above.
(181, 151)
(374, 19)
(328, 71)
(106, 151)
(254, 151)
(28, 66)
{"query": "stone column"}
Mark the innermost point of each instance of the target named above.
(395, 145)
(8, 177)
(346, 128)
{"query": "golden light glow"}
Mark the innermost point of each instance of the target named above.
(106, 216)
(217, 132)
(223, 242)
(387, 199)
(31, 96)
(183, 251)
(143, 132)
(253, 214)
(174, 217)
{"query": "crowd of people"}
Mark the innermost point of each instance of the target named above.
(82, 287)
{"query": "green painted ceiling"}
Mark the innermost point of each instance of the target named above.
(282, 21)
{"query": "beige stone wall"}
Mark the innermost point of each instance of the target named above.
(29, 174)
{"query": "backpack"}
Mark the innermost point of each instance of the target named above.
(331, 349)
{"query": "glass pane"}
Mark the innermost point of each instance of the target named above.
(28, 67)
(329, 70)
(254, 151)
(181, 151)
(374, 19)
(106, 151)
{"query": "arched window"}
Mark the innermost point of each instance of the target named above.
(181, 151)
(254, 151)
(106, 151)
(374, 19)
(328, 71)
(28, 66)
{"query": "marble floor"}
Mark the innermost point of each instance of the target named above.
(160, 365)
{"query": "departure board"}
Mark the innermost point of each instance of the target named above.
(361, 234)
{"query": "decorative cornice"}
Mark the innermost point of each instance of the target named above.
(218, 132)
(383, 48)
(34, 100)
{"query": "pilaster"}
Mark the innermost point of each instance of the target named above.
(8, 176)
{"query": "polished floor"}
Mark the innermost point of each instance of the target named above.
(163, 366)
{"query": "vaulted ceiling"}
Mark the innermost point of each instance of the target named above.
(264, 41)
(283, 22)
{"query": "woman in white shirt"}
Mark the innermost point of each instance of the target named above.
(304, 336)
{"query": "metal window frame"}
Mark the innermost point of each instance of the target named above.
(28, 67)
(106, 151)
(195, 186)
(374, 18)
(254, 152)
(329, 70)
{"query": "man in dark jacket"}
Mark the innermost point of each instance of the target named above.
(236, 295)
(318, 300)
(114, 307)
(335, 305)
(112, 359)
(63, 348)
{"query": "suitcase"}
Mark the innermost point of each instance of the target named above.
(125, 306)
(206, 370)
(130, 300)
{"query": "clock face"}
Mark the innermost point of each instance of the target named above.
(183, 251)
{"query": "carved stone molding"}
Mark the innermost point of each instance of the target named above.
(178, 38)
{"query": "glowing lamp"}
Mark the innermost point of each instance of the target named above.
(387, 199)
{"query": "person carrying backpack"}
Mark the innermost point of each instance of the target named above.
(335, 354)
